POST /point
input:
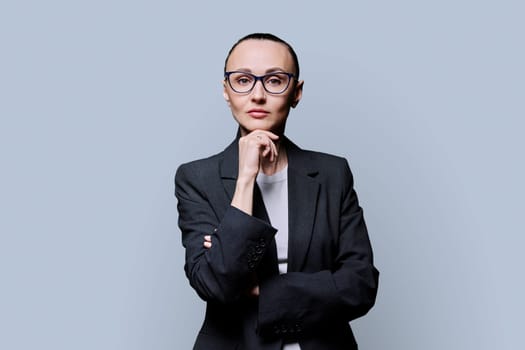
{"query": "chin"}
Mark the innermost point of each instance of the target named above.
(250, 124)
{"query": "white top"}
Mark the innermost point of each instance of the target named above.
(274, 191)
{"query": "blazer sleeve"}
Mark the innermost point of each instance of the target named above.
(301, 303)
(224, 272)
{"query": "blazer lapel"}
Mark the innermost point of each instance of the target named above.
(303, 192)
(229, 168)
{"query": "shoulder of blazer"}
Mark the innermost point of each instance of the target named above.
(315, 163)
(204, 165)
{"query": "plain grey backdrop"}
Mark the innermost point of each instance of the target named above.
(100, 101)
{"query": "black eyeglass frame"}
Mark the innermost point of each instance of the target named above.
(257, 78)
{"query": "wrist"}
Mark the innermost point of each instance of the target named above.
(247, 173)
(243, 196)
(246, 181)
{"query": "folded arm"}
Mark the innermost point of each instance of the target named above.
(225, 271)
(302, 302)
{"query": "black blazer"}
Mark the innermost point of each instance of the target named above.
(331, 279)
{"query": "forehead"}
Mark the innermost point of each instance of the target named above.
(259, 56)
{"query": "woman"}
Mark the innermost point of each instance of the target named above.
(275, 240)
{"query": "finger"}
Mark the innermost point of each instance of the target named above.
(259, 132)
(270, 134)
(264, 141)
(261, 142)
(207, 244)
(267, 147)
(275, 151)
(263, 137)
(207, 238)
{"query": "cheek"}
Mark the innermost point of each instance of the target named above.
(236, 105)
(283, 105)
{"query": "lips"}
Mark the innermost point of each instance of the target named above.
(258, 113)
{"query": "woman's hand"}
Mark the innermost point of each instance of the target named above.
(207, 241)
(255, 148)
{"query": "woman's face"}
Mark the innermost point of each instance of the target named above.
(259, 109)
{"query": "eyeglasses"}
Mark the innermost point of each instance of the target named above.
(244, 82)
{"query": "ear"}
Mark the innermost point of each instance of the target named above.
(225, 92)
(298, 93)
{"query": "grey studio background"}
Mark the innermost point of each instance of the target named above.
(100, 101)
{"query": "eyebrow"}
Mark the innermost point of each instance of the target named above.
(269, 70)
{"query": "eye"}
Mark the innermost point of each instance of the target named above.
(274, 80)
(243, 79)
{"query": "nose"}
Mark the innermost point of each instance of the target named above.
(258, 92)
